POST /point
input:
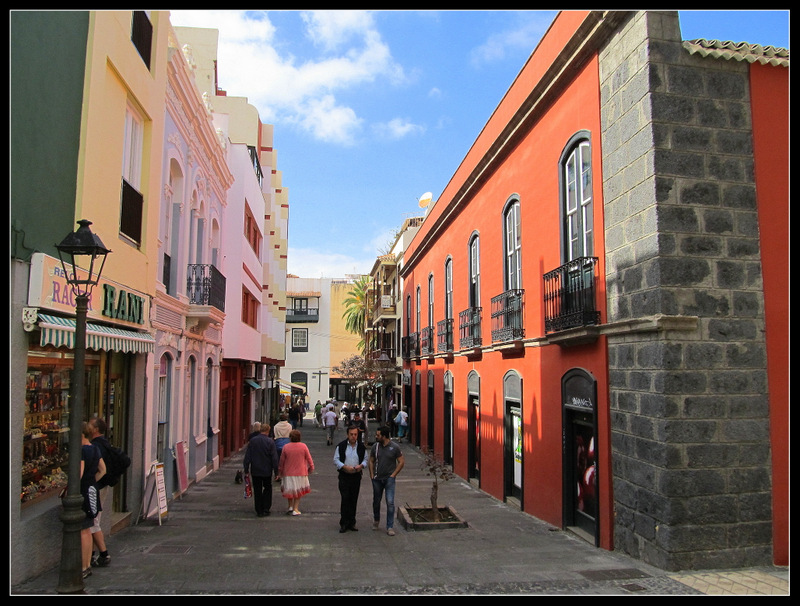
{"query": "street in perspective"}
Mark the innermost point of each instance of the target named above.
(212, 542)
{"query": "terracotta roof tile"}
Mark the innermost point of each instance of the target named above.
(739, 51)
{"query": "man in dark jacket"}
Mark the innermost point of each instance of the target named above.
(350, 459)
(261, 462)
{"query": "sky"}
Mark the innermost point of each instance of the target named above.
(373, 109)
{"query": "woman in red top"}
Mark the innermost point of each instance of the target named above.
(295, 465)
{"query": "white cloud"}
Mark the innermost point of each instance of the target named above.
(524, 36)
(313, 263)
(398, 128)
(254, 63)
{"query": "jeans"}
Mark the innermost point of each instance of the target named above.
(378, 488)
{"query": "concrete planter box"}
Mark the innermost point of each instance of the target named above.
(419, 518)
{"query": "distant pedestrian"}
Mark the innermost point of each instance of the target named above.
(401, 419)
(357, 422)
(261, 462)
(350, 459)
(318, 414)
(295, 465)
(281, 432)
(330, 420)
(385, 462)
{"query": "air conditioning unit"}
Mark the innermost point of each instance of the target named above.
(250, 371)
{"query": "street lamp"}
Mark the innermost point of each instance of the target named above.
(79, 249)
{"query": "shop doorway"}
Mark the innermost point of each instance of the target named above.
(579, 393)
(474, 427)
(512, 395)
(431, 412)
(447, 449)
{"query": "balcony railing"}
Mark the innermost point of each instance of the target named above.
(444, 335)
(569, 295)
(309, 314)
(426, 341)
(205, 285)
(411, 346)
(469, 328)
(507, 316)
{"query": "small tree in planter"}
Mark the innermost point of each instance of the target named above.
(436, 467)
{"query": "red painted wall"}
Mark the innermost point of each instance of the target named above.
(530, 172)
(769, 93)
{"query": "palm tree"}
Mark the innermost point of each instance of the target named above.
(356, 309)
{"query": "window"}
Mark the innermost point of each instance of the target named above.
(250, 307)
(252, 231)
(577, 200)
(419, 296)
(513, 246)
(142, 35)
(474, 272)
(430, 300)
(448, 289)
(132, 201)
(299, 339)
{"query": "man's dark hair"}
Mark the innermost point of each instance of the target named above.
(100, 424)
(385, 431)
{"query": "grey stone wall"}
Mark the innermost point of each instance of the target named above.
(689, 408)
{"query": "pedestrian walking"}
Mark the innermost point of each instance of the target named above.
(261, 462)
(295, 465)
(330, 420)
(401, 419)
(350, 459)
(385, 462)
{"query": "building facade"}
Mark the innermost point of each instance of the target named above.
(189, 305)
(617, 363)
(90, 85)
(253, 256)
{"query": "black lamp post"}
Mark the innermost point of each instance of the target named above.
(79, 249)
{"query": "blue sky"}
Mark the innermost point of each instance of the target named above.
(374, 109)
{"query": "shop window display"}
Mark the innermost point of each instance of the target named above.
(46, 424)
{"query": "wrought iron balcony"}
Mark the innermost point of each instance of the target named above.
(469, 328)
(411, 346)
(205, 285)
(569, 295)
(426, 341)
(507, 316)
(444, 335)
(307, 314)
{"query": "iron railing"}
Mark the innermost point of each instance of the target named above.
(569, 295)
(426, 341)
(507, 316)
(444, 335)
(308, 314)
(411, 346)
(205, 285)
(469, 328)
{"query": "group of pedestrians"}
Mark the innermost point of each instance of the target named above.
(293, 464)
(291, 467)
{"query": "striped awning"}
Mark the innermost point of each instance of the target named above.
(60, 332)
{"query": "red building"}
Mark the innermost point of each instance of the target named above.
(595, 328)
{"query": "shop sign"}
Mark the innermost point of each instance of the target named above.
(108, 301)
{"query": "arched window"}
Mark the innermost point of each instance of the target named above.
(576, 188)
(474, 272)
(512, 245)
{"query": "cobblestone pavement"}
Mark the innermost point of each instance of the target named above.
(213, 543)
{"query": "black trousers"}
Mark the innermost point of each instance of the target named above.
(349, 487)
(262, 494)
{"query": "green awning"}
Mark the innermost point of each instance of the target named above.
(60, 332)
(253, 384)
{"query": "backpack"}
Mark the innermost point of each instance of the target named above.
(117, 462)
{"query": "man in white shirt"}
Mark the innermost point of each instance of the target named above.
(402, 424)
(330, 421)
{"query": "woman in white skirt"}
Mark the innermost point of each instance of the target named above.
(294, 467)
